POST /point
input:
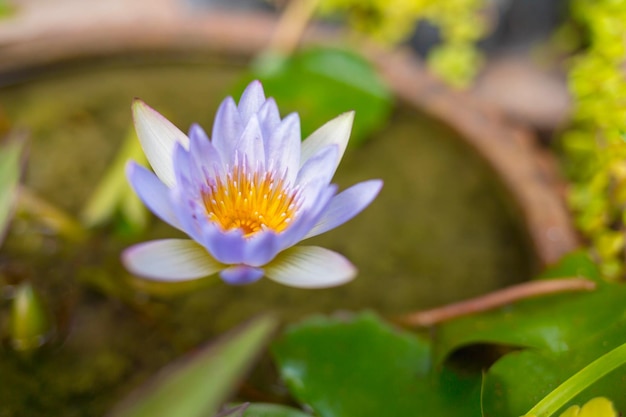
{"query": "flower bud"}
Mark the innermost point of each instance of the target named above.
(30, 326)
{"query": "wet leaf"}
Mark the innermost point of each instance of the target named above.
(577, 264)
(362, 367)
(553, 323)
(562, 334)
(519, 380)
(11, 164)
(197, 385)
(320, 84)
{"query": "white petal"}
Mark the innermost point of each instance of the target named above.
(310, 267)
(170, 260)
(158, 137)
(334, 132)
(346, 205)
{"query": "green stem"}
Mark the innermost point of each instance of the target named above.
(579, 381)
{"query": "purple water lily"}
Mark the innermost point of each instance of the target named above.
(245, 197)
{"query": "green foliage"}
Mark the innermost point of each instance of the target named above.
(114, 195)
(5, 9)
(322, 83)
(460, 21)
(581, 380)
(198, 385)
(594, 146)
(11, 164)
(360, 366)
(548, 340)
(272, 410)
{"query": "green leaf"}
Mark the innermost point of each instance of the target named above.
(272, 410)
(587, 376)
(362, 367)
(576, 264)
(11, 164)
(519, 380)
(320, 84)
(196, 386)
(553, 323)
(113, 193)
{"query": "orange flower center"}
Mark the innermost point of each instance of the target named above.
(250, 202)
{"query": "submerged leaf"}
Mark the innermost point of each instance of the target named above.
(197, 385)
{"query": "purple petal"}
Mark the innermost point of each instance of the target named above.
(319, 167)
(346, 205)
(182, 167)
(241, 275)
(197, 134)
(154, 194)
(226, 246)
(250, 145)
(269, 117)
(312, 209)
(170, 260)
(261, 248)
(282, 147)
(334, 132)
(190, 212)
(226, 129)
(158, 137)
(251, 101)
(205, 160)
(310, 267)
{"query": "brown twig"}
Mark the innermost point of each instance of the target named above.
(291, 25)
(494, 299)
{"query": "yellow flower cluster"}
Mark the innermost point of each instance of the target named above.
(595, 146)
(391, 21)
(596, 407)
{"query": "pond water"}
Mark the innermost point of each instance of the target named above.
(441, 230)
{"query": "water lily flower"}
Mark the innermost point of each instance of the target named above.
(245, 197)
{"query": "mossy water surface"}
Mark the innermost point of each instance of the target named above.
(441, 230)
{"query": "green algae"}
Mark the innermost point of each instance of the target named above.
(442, 229)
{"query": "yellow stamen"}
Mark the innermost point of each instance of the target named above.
(250, 202)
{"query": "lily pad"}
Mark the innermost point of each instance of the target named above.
(519, 380)
(554, 323)
(360, 366)
(559, 335)
(320, 84)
